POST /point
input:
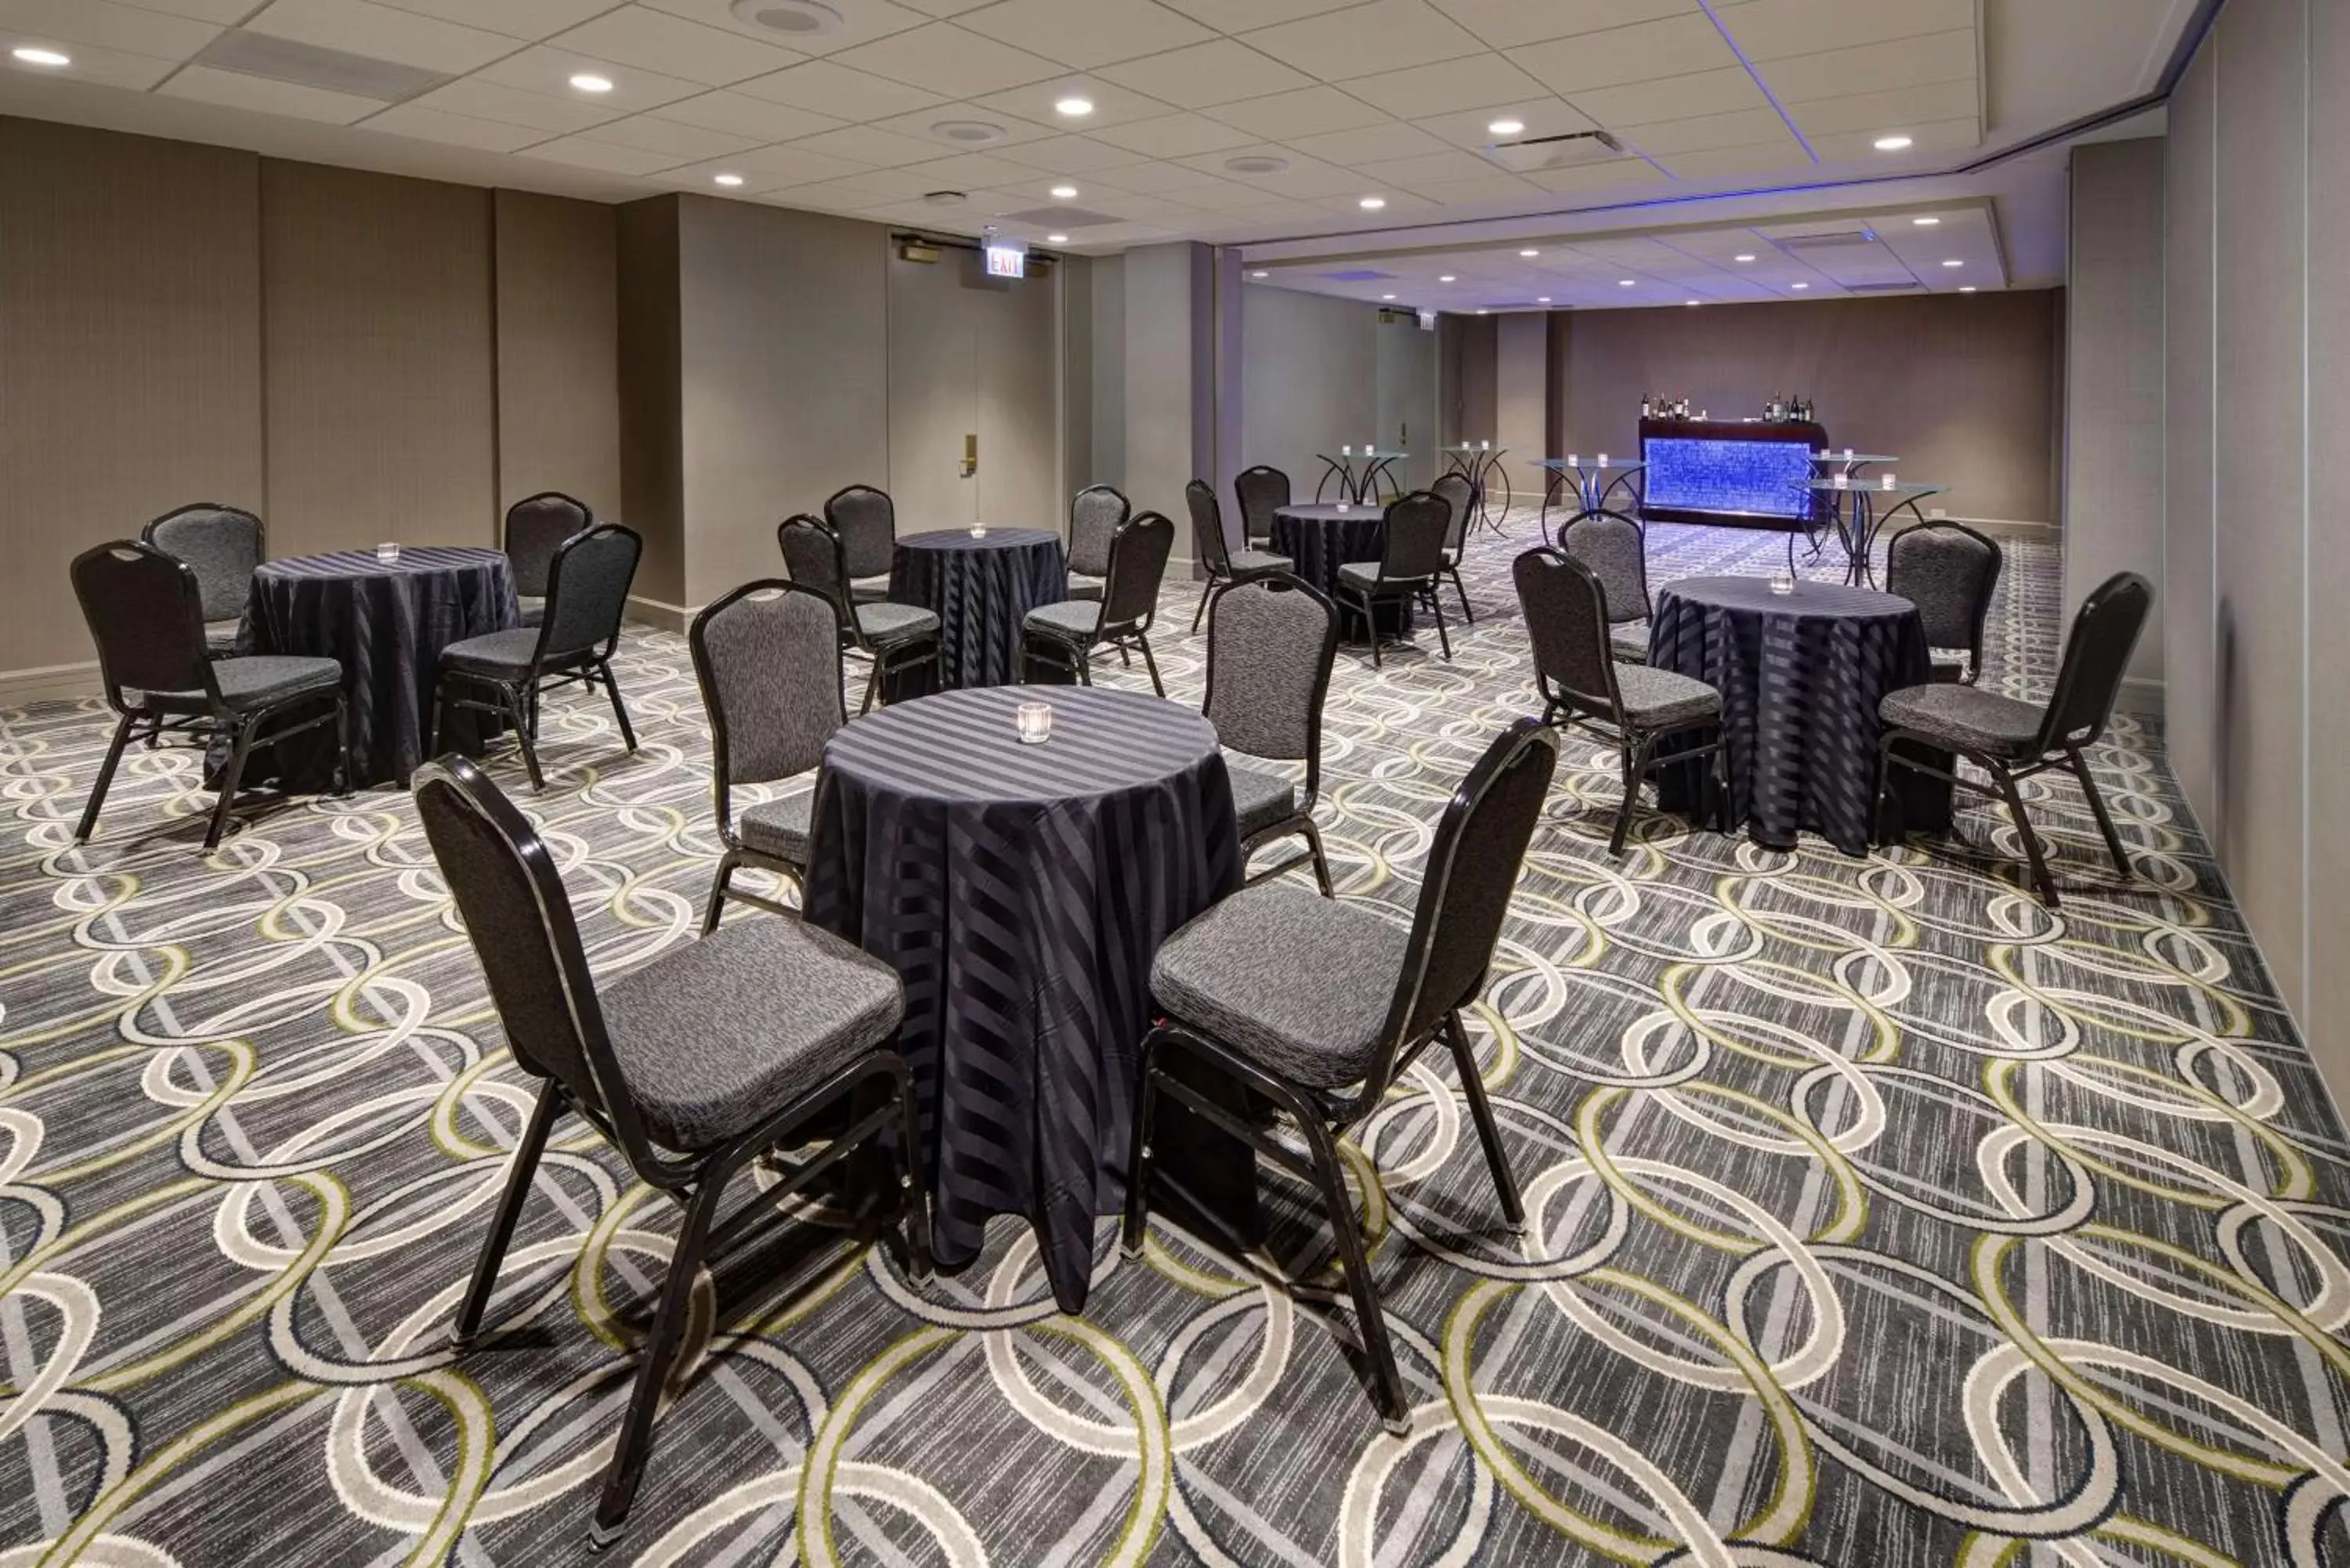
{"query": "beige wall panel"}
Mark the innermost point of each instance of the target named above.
(2326, 1021)
(379, 354)
(1309, 380)
(2188, 655)
(1522, 397)
(652, 433)
(1958, 386)
(2263, 516)
(1167, 329)
(130, 361)
(558, 350)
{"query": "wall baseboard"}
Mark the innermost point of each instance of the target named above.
(658, 616)
(48, 683)
(2142, 696)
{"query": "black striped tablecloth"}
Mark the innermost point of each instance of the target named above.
(1021, 892)
(980, 589)
(1322, 537)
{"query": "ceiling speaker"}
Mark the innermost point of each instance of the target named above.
(800, 19)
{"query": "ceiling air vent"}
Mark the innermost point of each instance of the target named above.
(1885, 287)
(1825, 240)
(1572, 150)
(307, 64)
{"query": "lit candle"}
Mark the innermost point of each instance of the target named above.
(1603, 460)
(388, 552)
(1847, 454)
(1485, 446)
(1035, 722)
(1573, 460)
(1782, 583)
(1346, 452)
(1892, 480)
(1842, 479)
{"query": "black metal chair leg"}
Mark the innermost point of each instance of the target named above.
(2041, 880)
(636, 1445)
(1443, 637)
(1084, 666)
(520, 1172)
(727, 865)
(350, 782)
(1636, 768)
(231, 777)
(523, 732)
(1320, 861)
(909, 1178)
(1207, 591)
(1387, 1383)
(1150, 664)
(1138, 1156)
(2097, 806)
(1880, 794)
(1468, 616)
(1371, 625)
(1489, 1132)
(872, 688)
(620, 709)
(105, 777)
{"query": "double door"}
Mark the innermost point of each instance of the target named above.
(974, 410)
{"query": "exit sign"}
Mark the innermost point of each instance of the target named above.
(1007, 258)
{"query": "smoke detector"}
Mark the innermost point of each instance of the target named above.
(800, 19)
(1256, 163)
(969, 132)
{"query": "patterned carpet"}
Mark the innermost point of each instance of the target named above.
(1884, 1218)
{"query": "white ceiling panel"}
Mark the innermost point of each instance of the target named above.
(95, 64)
(1478, 82)
(862, 21)
(873, 149)
(656, 41)
(941, 57)
(871, 188)
(1746, 127)
(829, 87)
(225, 12)
(546, 68)
(1942, 136)
(1173, 136)
(1309, 111)
(754, 119)
(1207, 75)
(544, 112)
(1070, 155)
(1304, 179)
(978, 170)
(1774, 30)
(1598, 176)
(1087, 33)
(795, 165)
(378, 32)
(1383, 35)
(682, 142)
(105, 24)
(1721, 162)
(1672, 46)
(1473, 127)
(534, 20)
(1239, 16)
(584, 152)
(233, 90)
(454, 130)
(1873, 68)
(1880, 112)
(1508, 24)
(1113, 104)
(1371, 144)
(923, 124)
(1154, 177)
(1485, 188)
(1672, 98)
(1449, 166)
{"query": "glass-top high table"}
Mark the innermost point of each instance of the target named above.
(1858, 514)
(1480, 465)
(1358, 470)
(1596, 480)
(1849, 462)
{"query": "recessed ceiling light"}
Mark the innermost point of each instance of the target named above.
(1485, 313)
(1968, 288)
(1530, 253)
(38, 57)
(1893, 144)
(1506, 127)
(1627, 283)
(802, 18)
(1927, 223)
(587, 82)
(1693, 302)
(1743, 258)
(1954, 262)
(729, 181)
(1542, 299)
(1448, 277)
(1057, 239)
(1799, 285)
(1372, 203)
(1064, 193)
(1073, 105)
(1260, 275)
(1387, 296)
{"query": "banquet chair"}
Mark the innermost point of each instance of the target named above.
(146, 614)
(1261, 492)
(2013, 740)
(1949, 571)
(1460, 493)
(1096, 514)
(587, 594)
(1224, 566)
(223, 546)
(1065, 635)
(1634, 708)
(534, 528)
(1412, 558)
(1320, 1006)
(692, 1065)
(768, 657)
(1272, 640)
(866, 521)
(896, 638)
(1616, 548)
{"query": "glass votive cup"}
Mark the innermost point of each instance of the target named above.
(1783, 583)
(1346, 452)
(1843, 480)
(1344, 508)
(1847, 454)
(1603, 460)
(1892, 480)
(388, 552)
(1035, 722)
(979, 530)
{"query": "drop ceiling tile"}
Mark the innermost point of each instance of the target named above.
(872, 187)
(703, 176)
(977, 171)
(532, 20)
(477, 99)
(824, 87)
(1208, 73)
(1932, 136)
(235, 90)
(1070, 155)
(1113, 104)
(684, 141)
(1784, 156)
(1309, 111)
(1434, 168)
(1672, 46)
(657, 41)
(225, 12)
(105, 24)
(95, 64)
(414, 120)
(1173, 136)
(378, 32)
(1173, 179)
(1623, 172)
(947, 8)
(581, 152)
(548, 69)
(798, 164)
(1304, 179)
(874, 149)
(1671, 98)
(1448, 87)
(923, 126)
(1383, 35)
(1087, 33)
(1541, 117)
(1746, 128)
(1879, 113)
(1220, 195)
(944, 59)
(862, 21)
(1482, 190)
(1775, 29)
(1370, 144)
(1873, 68)
(1236, 15)
(739, 114)
(1507, 24)
(1399, 204)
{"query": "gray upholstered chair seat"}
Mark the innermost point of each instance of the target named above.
(1629, 642)
(868, 590)
(220, 635)
(1661, 699)
(778, 828)
(887, 622)
(1260, 800)
(504, 653)
(716, 1035)
(1966, 718)
(1299, 984)
(1085, 587)
(534, 608)
(1075, 618)
(1248, 562)
(255, 681)
(1363, 577)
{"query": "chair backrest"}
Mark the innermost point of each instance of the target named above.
(1272, 641)
(1460, 493)
(768, 657)
(2096, 660)
(1566, 607)
(587, 590)
(1415, 531)
(1207, 527)
(536, 527)
(1617, 550)
(1465, 888)
(1096, 514)
(1949, 571)
(222, 543)
(1138, 564)
(503, 882)
(145, 611)
(866, 521)
(816, 560)
(1261, 492)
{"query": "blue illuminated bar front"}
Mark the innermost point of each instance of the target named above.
(1715, 471)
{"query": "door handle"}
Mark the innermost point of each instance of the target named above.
(970, 455)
